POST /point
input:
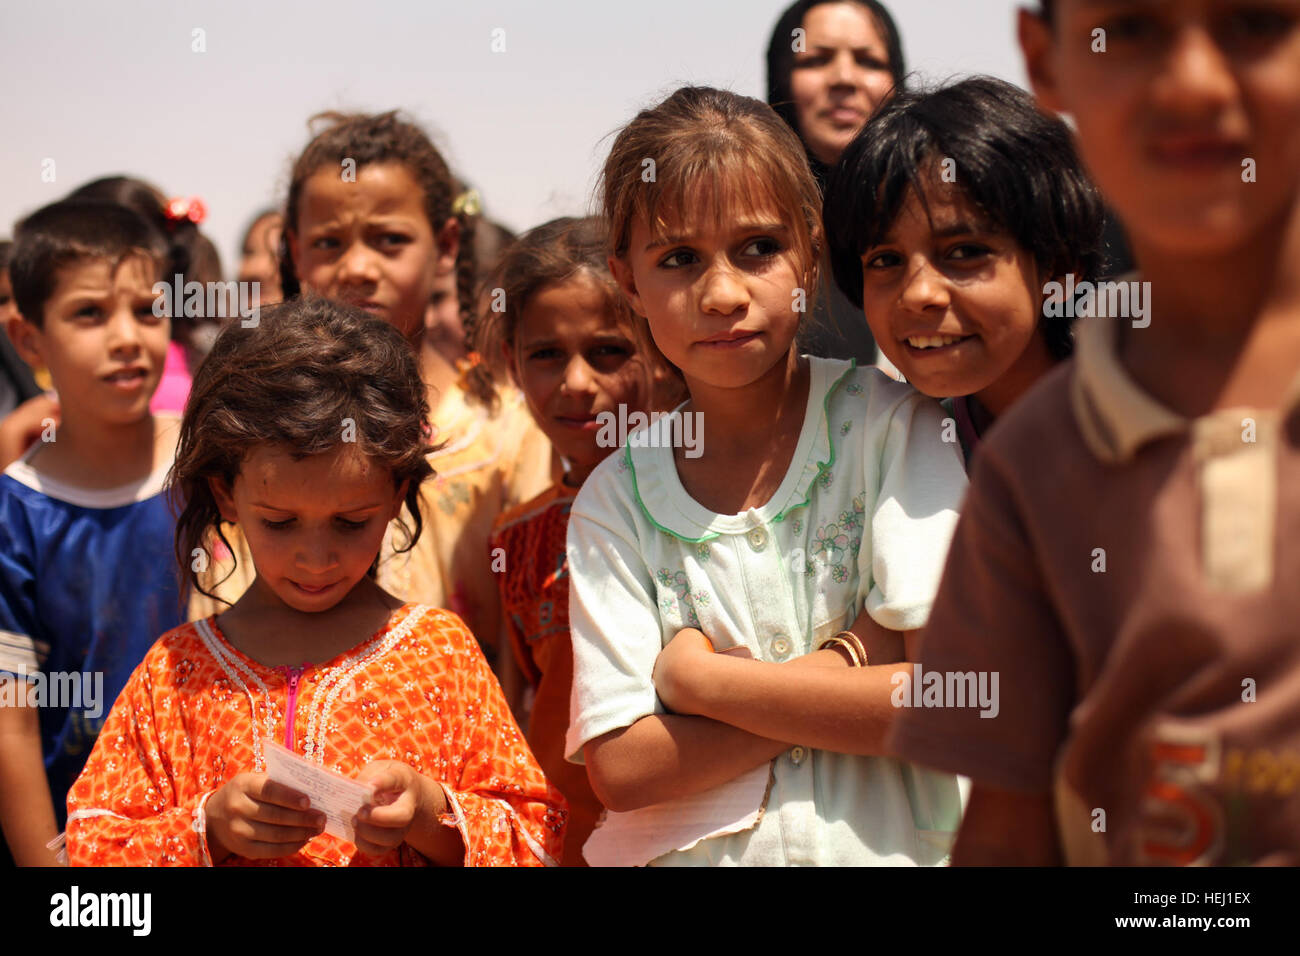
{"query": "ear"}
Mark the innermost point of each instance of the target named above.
(622, 273)
(28, 340)
(447, 240)
(225, 499)
(1038, 45)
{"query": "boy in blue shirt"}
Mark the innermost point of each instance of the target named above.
(87, 572)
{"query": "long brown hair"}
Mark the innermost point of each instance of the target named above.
(297, 379)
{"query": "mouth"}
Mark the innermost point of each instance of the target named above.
(1197, 152)
(368, 305)
(731, 340)
(932, 343)
(578, 422)
(845, 115)
(127, 379)
(313, 591)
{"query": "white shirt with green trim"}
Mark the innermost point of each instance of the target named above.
(863, 516)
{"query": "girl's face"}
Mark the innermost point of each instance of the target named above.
(954, 304)
(1189, 121)
(314, 525)
(720, 298)
(839, 79)
(573, 363)
(369, 243)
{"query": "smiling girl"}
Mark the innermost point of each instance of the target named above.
(947, 218)
(823, 496)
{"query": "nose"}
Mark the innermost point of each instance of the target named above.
(358, 265)
(315, 552)
(123, 331)
(842, 69)
(724, 292)
(924, 288)
(577, 376)
(1197, 77)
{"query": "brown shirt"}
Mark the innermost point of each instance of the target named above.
(1133, 577)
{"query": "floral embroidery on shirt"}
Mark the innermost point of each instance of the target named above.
(680, 586)
(797, 527)
(844, 427)
(853, 388)
(825, 478)
(830, 544)
(702, 551)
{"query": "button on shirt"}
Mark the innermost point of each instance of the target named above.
(862, 518)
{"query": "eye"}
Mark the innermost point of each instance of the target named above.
(394, 239)
(678, 259)
(324, 243)
(277, 525)
(808, 60)
(544, 355)
(88, 311)
(347, 525)
(763, 247)
(1258, 24)
(871, 62)
(881, 260)
(968, 250)
(1131, 26)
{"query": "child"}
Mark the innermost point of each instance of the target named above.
(85, 531)
(951, 213)
(16, 382)
(307, 432)
(567, 338)
(258, 259)
(372, 220)
(788, 494)
(1127, 555)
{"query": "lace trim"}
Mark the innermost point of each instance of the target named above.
(339, 676)
(225, 661)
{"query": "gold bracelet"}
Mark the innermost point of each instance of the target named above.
(838, 641)
(858, 646)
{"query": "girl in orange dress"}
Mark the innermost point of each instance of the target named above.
(307, 433)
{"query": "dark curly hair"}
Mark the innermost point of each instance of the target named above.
(292, 380)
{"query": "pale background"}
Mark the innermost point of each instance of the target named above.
(114, 87)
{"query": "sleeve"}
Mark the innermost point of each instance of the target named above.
(508, 582)
(992, 618)
(500, 801)
(615, 627)
(22, 650)
(920, 485)
(126, 809)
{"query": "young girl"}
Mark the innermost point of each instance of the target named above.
(307, 432)
(948, 218)
(820, 491)
(566, 335)
(372, 219)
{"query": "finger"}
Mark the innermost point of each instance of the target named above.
(268, 791)
(380, 777)
(255, 831)
(257, 850)
(375, 841)
(274, 815)
(400, 813)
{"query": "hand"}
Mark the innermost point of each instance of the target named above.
(253, 817)
(404, 799)
(678, 668)
(24, 425)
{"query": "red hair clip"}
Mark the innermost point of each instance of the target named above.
(180, 208)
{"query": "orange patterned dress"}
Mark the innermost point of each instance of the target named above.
(196, 712)
(535, 598)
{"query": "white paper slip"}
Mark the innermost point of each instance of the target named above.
(638, 836)
(336, 796)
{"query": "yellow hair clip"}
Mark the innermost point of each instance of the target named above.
(468, 203)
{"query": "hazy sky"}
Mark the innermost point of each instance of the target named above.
(116, 87)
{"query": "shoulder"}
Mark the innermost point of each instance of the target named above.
(553, 501)
(1039, 430)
